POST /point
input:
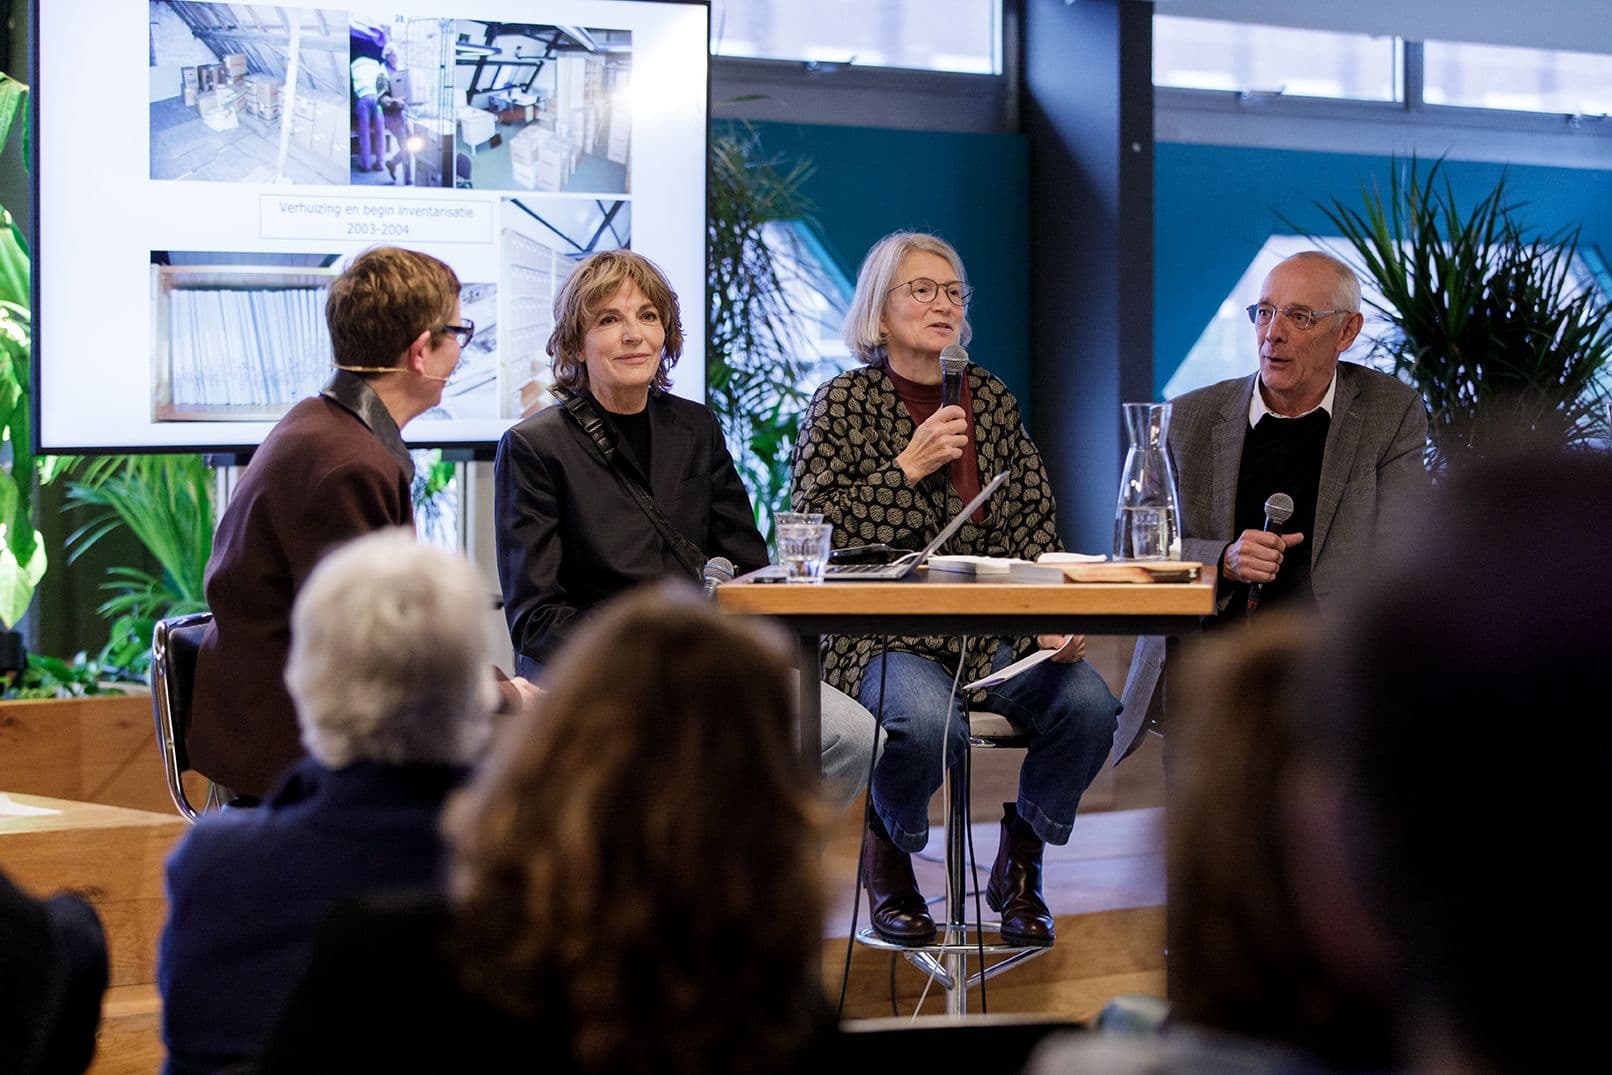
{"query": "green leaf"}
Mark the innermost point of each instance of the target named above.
(18, 580)
(13, 99)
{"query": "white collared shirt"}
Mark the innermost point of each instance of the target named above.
(1258, 410)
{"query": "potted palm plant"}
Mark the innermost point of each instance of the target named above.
(166, 502)
(757, 357)
(1490, 321)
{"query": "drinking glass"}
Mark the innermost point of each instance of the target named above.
(803, 548)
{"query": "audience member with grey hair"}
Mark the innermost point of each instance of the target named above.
(386, 648)
(390, 673)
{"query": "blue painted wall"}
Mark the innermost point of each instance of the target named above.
(971, 189)
(1215, 206)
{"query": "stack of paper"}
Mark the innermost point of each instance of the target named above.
(973, 565)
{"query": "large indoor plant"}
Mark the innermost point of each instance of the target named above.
(757, 356)
(22, 551)
(1486, 318)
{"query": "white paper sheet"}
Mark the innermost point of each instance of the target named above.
(1023, 664)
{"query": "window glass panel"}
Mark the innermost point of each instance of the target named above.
(1208, 54)
(1530, 80)
(933, 35)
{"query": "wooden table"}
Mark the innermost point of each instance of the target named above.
(931, 603)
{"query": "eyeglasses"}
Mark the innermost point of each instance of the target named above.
(462, 333)
(924, 290)
(1263, 314)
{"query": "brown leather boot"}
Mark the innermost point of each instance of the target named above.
(1015, 888)
(895, 905)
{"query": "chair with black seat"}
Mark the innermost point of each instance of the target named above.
(174, 645)
(946, 960)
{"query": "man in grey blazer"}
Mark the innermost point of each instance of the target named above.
(1344, 441)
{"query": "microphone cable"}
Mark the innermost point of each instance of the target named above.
(856, 890)
(973, 863)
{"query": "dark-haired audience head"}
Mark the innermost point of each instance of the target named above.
(590, 288)
(1450, 821)
(638, 856)
(1240, 961)
(384, 301)
(390, 655)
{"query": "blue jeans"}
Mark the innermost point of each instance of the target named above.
(371, 135)
(1067, 708)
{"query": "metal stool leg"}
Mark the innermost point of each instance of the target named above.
(947, 961)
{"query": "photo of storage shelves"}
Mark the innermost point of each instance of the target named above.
(241, 337)
(542, 241)
(542, 107)
(403, 96)
(248, 93)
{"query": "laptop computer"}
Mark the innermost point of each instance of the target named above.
(906, 565)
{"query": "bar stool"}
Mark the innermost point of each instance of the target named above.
(946, 960)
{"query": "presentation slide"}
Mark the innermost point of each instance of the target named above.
(206, 169)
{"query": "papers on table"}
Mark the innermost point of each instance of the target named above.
(972, 565)
(1003, 566)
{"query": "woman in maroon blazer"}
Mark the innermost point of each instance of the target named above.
(334, 468)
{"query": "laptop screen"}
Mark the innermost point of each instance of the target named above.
(957, 520)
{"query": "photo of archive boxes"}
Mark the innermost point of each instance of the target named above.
(263, 97)
(571, 122)
(215, 90)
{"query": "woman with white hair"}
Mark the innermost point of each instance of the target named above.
(886, 462)
(389, 671)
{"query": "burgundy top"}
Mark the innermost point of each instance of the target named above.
(922, 401)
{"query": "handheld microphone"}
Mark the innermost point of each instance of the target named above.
(718, 569)
(953, 368)
(1278, 510)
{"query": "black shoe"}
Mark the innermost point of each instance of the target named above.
(1015, 888)
(895, 906)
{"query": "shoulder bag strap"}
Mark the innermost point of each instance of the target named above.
(587, 419)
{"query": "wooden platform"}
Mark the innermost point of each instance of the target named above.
(91, 750)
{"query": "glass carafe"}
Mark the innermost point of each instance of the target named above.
(1146, 520)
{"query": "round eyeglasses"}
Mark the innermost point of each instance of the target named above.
(1304, 320)
(924, 289)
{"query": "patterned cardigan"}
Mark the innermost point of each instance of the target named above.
(845, 467)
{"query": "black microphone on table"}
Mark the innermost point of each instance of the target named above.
(718, 569)
(1278, 510)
